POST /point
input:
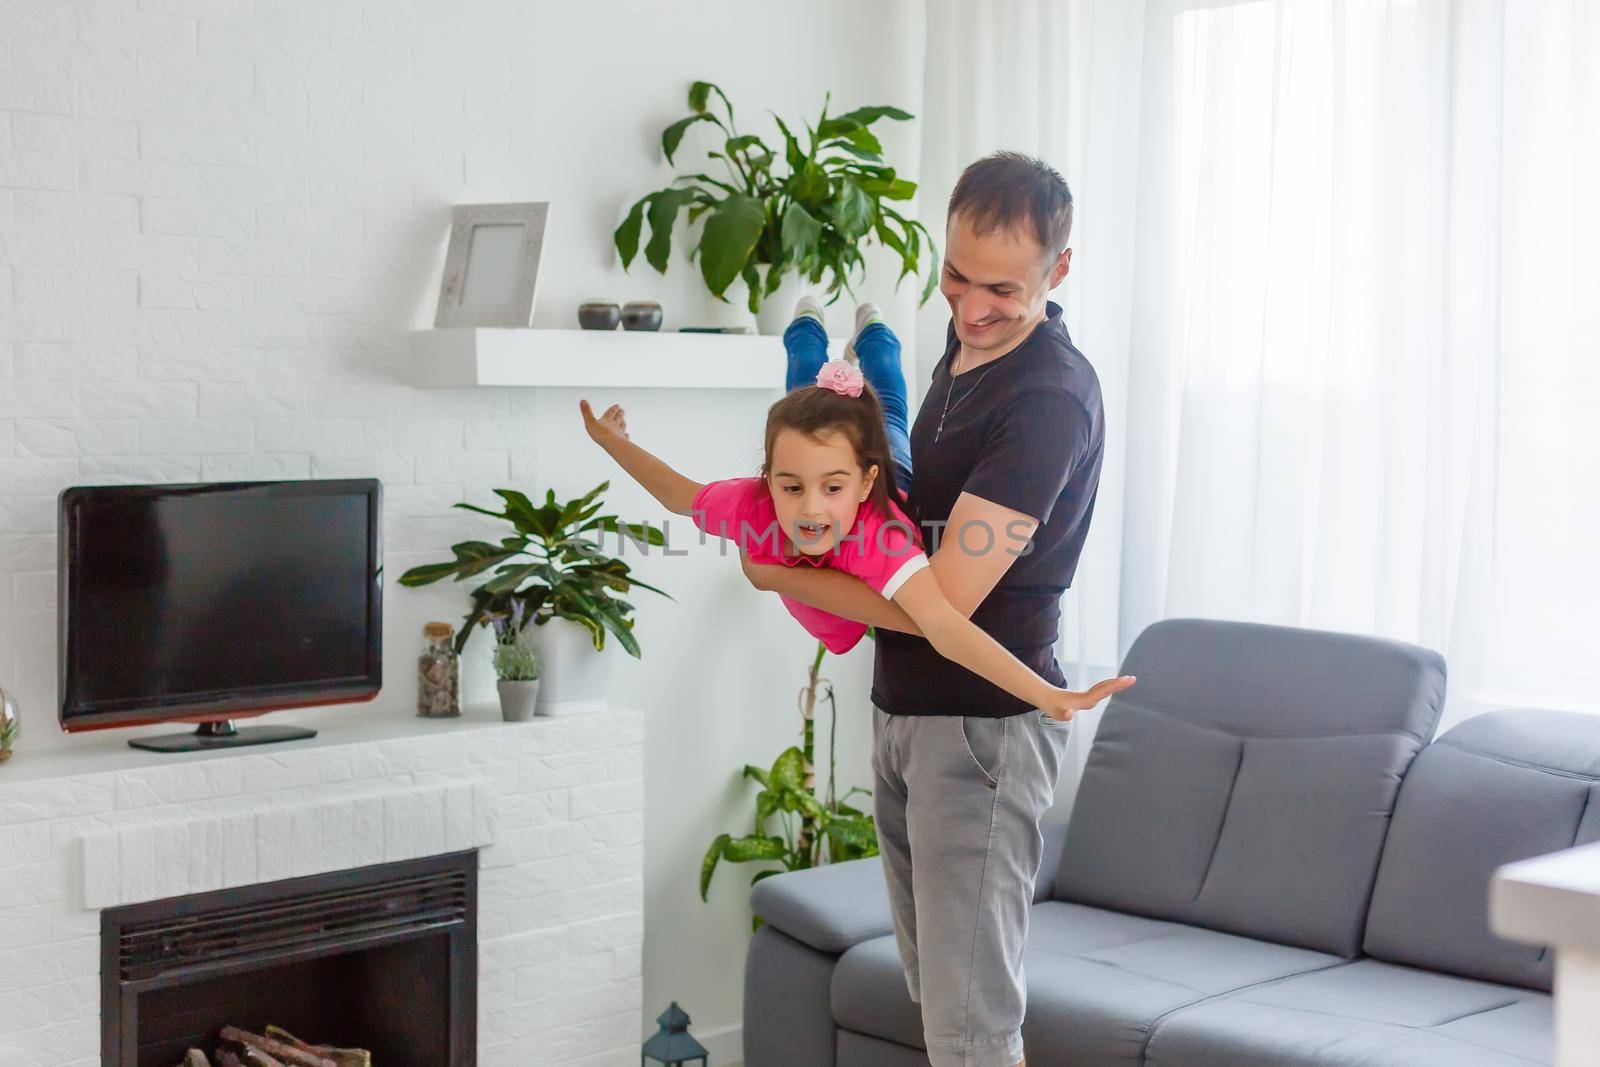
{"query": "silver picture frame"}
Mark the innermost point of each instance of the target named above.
(491, 271)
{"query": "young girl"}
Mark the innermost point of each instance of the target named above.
(837, 450)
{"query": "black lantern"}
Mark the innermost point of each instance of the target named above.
(673, 1044)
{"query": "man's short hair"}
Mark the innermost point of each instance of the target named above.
(1011, 192)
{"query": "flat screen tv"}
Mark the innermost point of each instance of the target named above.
(210, 602)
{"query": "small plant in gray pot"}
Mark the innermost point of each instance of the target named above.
(516, 664)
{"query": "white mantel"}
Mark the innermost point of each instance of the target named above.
(554, 805)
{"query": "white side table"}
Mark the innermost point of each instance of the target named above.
(1555, 900)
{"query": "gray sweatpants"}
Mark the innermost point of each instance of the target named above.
(958, 801)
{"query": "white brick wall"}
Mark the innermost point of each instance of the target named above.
(218, 221)
(555, 804)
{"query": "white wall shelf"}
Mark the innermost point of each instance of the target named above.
(485, 356)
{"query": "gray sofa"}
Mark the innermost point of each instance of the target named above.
(1267, 863)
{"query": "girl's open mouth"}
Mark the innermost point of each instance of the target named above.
(812, 531)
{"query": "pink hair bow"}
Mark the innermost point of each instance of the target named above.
(842, 376)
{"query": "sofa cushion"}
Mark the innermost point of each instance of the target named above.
(830, 907)
(1500, 787)
(1365, 1013)
(870, 995)
(1097, 981)
(1246, 782)
(859, 1050)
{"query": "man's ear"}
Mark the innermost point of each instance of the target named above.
(871, 479)
(1058, 272)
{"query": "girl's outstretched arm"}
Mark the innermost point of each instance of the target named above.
(957, 638)
(610, 431)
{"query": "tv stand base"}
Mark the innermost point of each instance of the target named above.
(222, 734)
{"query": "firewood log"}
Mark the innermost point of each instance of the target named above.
(291, 1056)
(344, 1057)
(233, 1050)
(254, 1057)
(227, 1059)
(195, 1058)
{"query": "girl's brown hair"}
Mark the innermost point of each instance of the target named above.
(815, 410)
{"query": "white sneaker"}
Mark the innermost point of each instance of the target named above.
(866, 315)
(807, 305)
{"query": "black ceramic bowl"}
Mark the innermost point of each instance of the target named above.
(641, 315)
(596, 315)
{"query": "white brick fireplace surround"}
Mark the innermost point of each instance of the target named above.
(554, 805)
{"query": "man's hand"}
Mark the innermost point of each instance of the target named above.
(1065, 703)
(607, 429)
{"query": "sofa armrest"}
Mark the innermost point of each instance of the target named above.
(829, 908)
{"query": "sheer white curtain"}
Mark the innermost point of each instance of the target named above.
(1365, 344)
(1336, 266)
(1059, 79)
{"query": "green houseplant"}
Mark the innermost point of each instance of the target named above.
(811, 829)
(804, 209)
(9, 725)
(551, 572)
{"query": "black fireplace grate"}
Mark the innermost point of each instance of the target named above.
(323, 919)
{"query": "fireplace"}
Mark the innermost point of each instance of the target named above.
(382, 958)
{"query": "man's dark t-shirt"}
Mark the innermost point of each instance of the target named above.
(1027, 435)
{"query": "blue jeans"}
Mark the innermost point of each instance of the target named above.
(878, 349)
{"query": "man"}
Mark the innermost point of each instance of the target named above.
(1006, 454)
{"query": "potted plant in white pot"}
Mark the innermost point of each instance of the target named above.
(553, 567)
(780, 222)
(516, 665)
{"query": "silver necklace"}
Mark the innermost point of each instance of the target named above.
(937, 430)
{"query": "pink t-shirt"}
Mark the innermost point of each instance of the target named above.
(883, 552)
